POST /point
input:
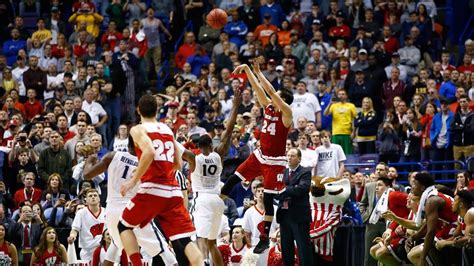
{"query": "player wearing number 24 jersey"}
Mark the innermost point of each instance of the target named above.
(159, 195)
(270, 159)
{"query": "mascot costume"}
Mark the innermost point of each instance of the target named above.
(328, 196)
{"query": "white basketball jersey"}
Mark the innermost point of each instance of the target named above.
(89, 226)
(207, 174)
(121, 169)
(120, 144)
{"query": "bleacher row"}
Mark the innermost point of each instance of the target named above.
(366, 164)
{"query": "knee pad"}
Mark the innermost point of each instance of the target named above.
(178, 247)
(121, 227)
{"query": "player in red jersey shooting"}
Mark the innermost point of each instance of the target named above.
(270, 159)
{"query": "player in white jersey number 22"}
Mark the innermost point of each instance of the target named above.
(120, 167)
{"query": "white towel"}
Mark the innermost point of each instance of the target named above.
(429, 191)
(381, 207)
(71, 254)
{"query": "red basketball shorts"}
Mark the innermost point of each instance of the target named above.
(271, 168)
(170, 212)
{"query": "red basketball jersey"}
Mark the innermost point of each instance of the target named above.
(273, 134)
(161, 170)
(4, 249)
(50, 258)
(447, 214)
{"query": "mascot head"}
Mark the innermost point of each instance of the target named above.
(330, 189)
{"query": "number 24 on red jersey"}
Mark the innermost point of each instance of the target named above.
(270, 128)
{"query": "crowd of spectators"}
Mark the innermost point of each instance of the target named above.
(374, 73)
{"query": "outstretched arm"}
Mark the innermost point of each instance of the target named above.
(226, 136)
(409, 224)
(262, 98)
(276, 99)
(92, 168)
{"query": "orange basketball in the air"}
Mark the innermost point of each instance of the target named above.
(217, 18)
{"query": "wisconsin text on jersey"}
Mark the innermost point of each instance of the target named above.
(271, 118)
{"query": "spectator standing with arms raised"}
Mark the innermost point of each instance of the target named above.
(87, 15)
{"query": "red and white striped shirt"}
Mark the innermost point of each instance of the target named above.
(326, 217)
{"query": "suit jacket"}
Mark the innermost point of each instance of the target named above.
(15, 235)
(367, 203)
(297, 195)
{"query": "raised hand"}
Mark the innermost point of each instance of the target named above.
(237, 100)
(240, 69)
(389, 215)
(127, 186)
(256, 62)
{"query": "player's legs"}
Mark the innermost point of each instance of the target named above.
(201, 214)
(140, 210)
(202, 245)
(184, 247)
(178, 226)
(193, 254)
(414, 255)
(264, 242)
(373, 250)
(153, 242)
(273, 184)
(384, 256)
(215, 253)
(248, 170)
(130, 244)
(112, 218)
(216, 217)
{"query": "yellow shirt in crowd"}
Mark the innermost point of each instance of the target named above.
(42, 35)
(342, 116)
(92, 21)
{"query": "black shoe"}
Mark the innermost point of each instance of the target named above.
(262, 245)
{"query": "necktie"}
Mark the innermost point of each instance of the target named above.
(29, 195)
(26, 237)
(290, 175)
